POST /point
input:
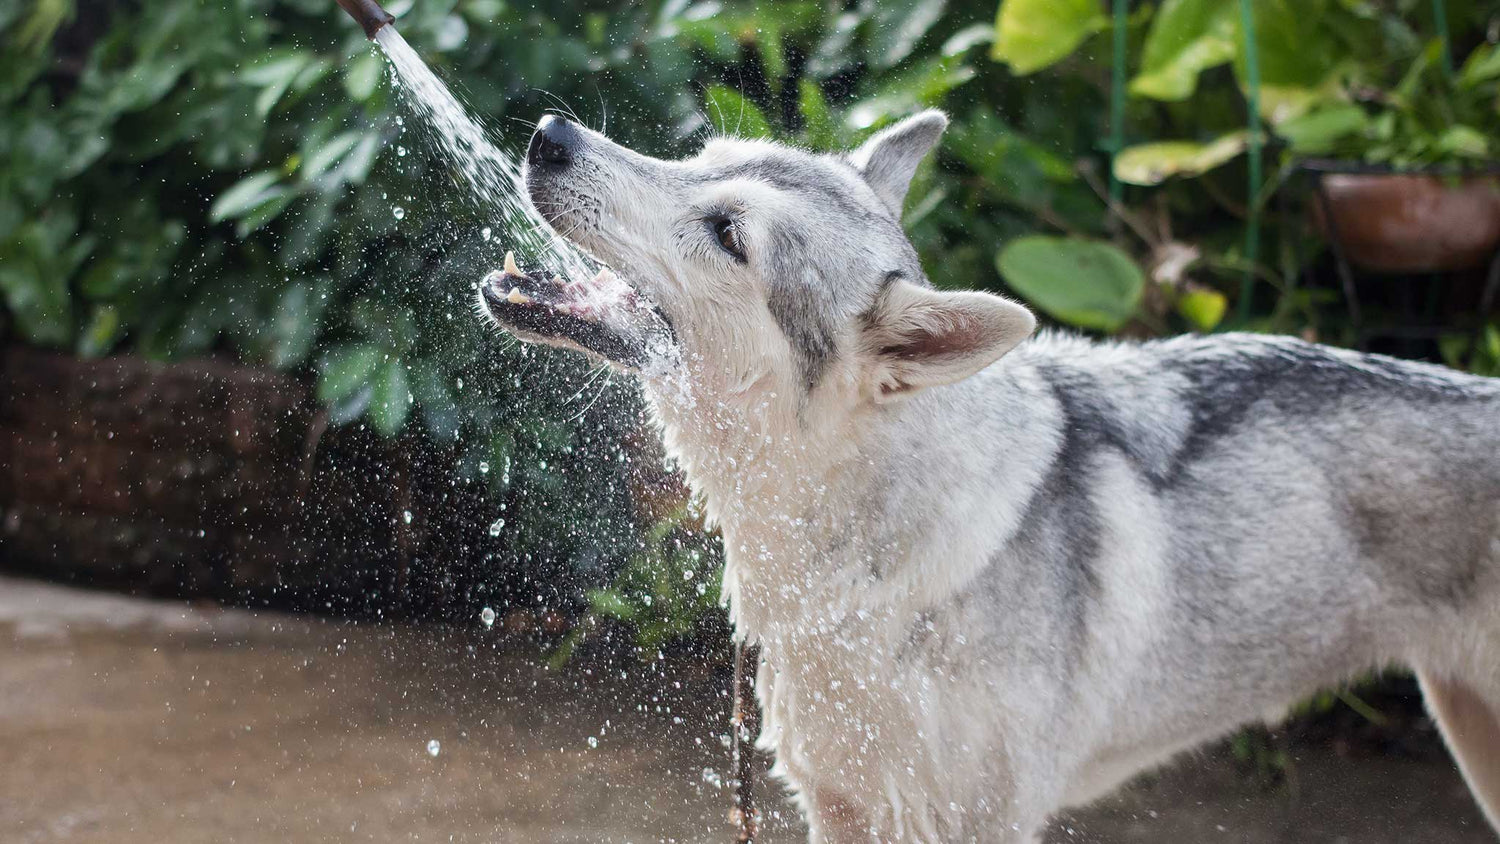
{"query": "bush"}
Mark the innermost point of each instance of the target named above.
(180, 178)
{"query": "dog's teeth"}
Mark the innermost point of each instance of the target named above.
(516, 297)
(510, 266)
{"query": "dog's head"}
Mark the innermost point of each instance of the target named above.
(783, 275)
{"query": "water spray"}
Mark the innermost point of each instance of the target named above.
(496, 177)
(368, 14)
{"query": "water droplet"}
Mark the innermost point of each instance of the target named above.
(406, 516)
(593, 742)
(399, 212)
(433, 747)
(485, 233)
(496, 526)
(487, 617)
(401, 151)
(484, 467)
(687, 574)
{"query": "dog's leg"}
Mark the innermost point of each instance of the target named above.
(1470, 722)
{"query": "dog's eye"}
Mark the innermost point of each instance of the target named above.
(728, 236)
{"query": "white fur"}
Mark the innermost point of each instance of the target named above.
(945, 657)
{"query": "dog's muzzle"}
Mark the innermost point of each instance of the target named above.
(603, 316)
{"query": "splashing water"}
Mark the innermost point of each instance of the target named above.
(493, 174)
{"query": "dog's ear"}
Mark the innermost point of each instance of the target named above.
(916, 337)
(890, 158)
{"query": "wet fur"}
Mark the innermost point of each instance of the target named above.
(984, 597)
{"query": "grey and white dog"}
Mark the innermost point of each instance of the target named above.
(995, 575)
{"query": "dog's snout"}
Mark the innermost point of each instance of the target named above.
(555, 142)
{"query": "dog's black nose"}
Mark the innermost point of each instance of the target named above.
(554, 143)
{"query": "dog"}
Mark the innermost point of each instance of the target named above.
(994, 574)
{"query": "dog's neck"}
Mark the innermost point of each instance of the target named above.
(813, 529)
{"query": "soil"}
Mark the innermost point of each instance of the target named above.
(127, 720)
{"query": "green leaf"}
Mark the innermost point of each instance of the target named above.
(734, 113)
(362, 74)
(900, 94)
(898, 25)
(390, 404)
(1033, 34)
(1154, 163)
(1203, 308)
(244, 196)
(612, 604)
(819, 130)
(1482, 65)
(1319, 132)
(440, 411)
(37, 264)
(269, 208)
(1299, 51)
(329, 154)
(294, 325)
(346, 369)
(1186, 38)
(1086, 283)
(274, 75)
(967, 38)
(391, 325)
(1463, 142)
(101, 333)
(37, 29)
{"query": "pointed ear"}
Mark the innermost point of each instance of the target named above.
(917, 337)
(890, 158)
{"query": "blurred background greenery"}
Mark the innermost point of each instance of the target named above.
(182, 179)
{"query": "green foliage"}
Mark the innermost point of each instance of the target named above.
(1034, 34)
(664, 591)
(1425, 116)
(1154, 163)
(1478, 353)
(1337, 78)
(1187, 37)
(1081, 282)
(180, 178)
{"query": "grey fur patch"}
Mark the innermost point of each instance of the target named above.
(796, 304)
(1060, 529)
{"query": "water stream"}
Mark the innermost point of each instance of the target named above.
(493, 174)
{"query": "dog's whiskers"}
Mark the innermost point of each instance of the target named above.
(603, 388)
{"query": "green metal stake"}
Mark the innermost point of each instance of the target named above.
(1440, 22)
(1117, 101)
(1252, 225)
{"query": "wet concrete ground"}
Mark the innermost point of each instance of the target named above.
(126, 721)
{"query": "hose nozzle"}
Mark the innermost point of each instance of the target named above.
(368, 14)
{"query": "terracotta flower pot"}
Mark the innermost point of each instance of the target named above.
(1412, 222)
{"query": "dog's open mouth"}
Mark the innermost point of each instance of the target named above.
(603, 316)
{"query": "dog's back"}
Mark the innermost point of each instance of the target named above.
(1318, 512)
